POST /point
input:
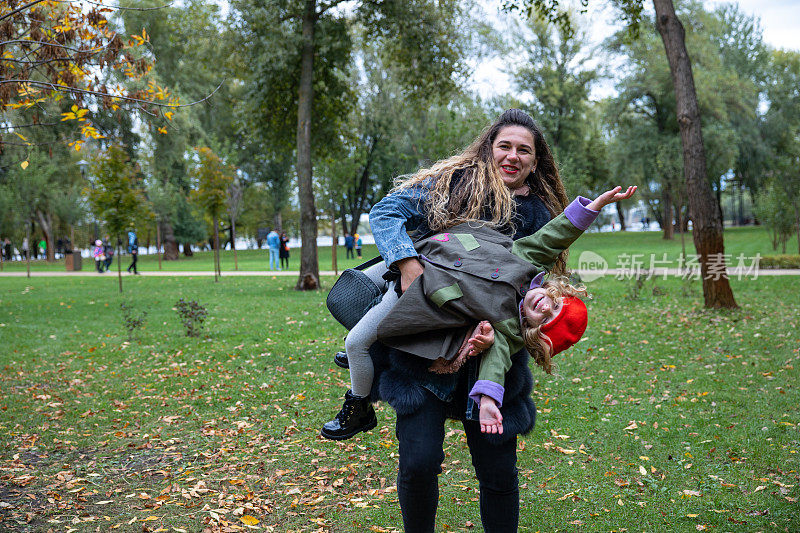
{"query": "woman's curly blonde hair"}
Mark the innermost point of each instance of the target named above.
(556, 288)
(481, 195)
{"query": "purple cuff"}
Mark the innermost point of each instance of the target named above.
(488, 388)
(580, 215)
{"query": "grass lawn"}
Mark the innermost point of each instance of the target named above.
(616, 248)
(666, 417)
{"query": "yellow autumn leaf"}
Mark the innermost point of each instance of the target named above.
(24, 165)
(21, 136)
(642, 470)
(169, 114)
(162, 131)
(150, 518)
(249, 520)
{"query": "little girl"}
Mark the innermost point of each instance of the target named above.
(473, 274)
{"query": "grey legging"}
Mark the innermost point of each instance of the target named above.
(365, 333)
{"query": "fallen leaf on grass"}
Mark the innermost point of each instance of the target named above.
(692, 492)
(760, 487)
(104, 502)
(249, 520)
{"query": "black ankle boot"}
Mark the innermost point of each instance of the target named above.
(341, 359)
(357, 415)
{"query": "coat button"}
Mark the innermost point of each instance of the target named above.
(523, 290)
(496, 274)
(458, 263)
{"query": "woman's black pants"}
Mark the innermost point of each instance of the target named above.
(421, 439)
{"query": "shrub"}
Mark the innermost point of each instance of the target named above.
(131, 320)
(192, 316)
(780, 261)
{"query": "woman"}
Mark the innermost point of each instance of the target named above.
(506, 178)
(283, 253)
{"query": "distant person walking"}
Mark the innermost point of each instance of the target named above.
(274, 243)
(8, 250)
(284, 251)
(99, 256)
(349, 243)
(357, 237)
(108, 250)
(133, 249)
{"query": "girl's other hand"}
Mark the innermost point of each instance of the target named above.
(482, 338)
(610, 197)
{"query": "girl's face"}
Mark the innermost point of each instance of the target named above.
(514, 154)
(538, 308)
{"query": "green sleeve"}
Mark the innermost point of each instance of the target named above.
(496, 361)
(543, 247)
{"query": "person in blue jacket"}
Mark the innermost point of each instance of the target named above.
(274, 244)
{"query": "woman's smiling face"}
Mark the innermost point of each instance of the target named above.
(514, 154)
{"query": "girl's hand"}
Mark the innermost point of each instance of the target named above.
(410, 269)
(610, 197)
(490, 418)
(482, 338)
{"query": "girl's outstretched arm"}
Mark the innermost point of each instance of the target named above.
(610, 197)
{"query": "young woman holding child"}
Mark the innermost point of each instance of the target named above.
(505, 180)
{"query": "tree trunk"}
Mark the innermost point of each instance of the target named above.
(28, 252)
(158, 244)
(170, 244)
(334, 242)
(216, 250)
(707, 224)
(797, 224)
(309, 262)
(666, 222)
(147, 241)
(187, 249)
(46, 223)
(233, 247)
(119, 264)
(621, 216)
(277, 220)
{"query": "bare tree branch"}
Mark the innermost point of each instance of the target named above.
(31, 4)
(55, 45)
(16, 127)
(68, 89)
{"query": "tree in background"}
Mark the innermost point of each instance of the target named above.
(25, 190)
(213, 179)
(117, 197)
(234, 209)
(295, 46)
(782, 130)
(705, 213)
(192, 48)
(54, 49)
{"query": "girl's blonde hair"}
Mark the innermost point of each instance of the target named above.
(556, 288)
(481, 195)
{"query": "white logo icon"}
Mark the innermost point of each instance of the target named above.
(592, 266)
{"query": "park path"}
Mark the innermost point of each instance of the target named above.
(587, 275)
